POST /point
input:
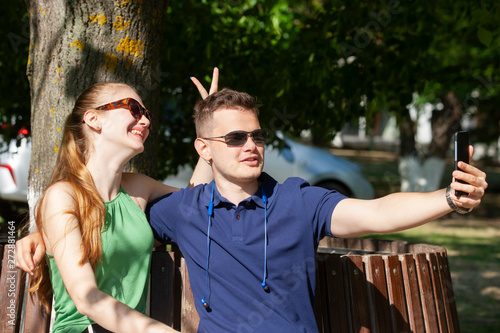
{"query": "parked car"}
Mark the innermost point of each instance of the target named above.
(317, 166)
(14, 167)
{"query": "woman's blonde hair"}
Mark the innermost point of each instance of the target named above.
(71, 169)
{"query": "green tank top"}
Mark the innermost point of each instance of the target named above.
(127, 243)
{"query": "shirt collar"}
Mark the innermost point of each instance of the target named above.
(265, 181)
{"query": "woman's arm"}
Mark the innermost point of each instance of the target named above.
(203, 174)
(63, 240)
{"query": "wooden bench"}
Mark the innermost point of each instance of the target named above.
(363, 285)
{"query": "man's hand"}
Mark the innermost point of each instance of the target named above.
(29, 252)
(476, 184)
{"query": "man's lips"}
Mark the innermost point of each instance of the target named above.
(251, 160)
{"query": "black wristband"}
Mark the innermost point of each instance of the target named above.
(452, 205)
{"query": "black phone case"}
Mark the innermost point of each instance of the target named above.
(461, 154)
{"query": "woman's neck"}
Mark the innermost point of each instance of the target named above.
(107, 176)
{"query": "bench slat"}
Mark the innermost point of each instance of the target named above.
(357, 296)
(12, 281)
(321, 313)
(438, 291)
(334, 304)
(395, 283)
(377, 293)
(36, 319)
(426, 294)
(448, 295)
(162, 287)
(412, 294)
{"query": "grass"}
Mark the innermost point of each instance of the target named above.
(472, 241)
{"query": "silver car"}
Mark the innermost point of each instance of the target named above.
(317, 166)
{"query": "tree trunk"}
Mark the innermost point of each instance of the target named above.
(74, 44)
(407, 131)
(424, 175)
(444, 124)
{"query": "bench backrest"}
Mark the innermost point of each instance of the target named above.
(362, 286)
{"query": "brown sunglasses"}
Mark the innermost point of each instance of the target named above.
(135, 108)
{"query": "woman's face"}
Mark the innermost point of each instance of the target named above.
(118, 121)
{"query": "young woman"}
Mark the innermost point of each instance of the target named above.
(97, 239)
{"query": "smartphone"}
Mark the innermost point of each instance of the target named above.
(461, 154)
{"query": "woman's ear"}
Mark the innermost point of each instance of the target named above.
(203, 149)
(91, 118)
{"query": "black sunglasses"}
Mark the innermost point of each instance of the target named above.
(135, 108)
(239, 138)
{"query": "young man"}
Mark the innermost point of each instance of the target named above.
(250, 243)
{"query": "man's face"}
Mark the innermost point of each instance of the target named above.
(237, 164)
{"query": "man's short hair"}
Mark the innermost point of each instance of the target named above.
(224, 99)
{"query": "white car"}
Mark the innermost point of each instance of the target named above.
(317, 166)
(14, 169)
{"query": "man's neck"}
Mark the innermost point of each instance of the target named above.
(236, 192)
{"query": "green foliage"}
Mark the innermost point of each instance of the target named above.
(313, 64)
(14, 90)
(319, 64)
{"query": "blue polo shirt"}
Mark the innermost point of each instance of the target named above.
(298, 217)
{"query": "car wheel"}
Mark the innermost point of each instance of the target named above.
(337, 186)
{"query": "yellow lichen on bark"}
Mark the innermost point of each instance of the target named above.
(130, 46)
(110, 62)
(122, 3)
(99, 19)
(79, 45)
(120, 24)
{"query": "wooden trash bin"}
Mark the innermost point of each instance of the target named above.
(367, 285)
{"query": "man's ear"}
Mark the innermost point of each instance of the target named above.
(91, 118)
(203, 149)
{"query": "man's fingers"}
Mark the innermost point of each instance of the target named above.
(471, 152)
(468, 170)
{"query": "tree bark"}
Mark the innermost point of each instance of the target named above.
(444, 124)
(74, 44)
(407, 131)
